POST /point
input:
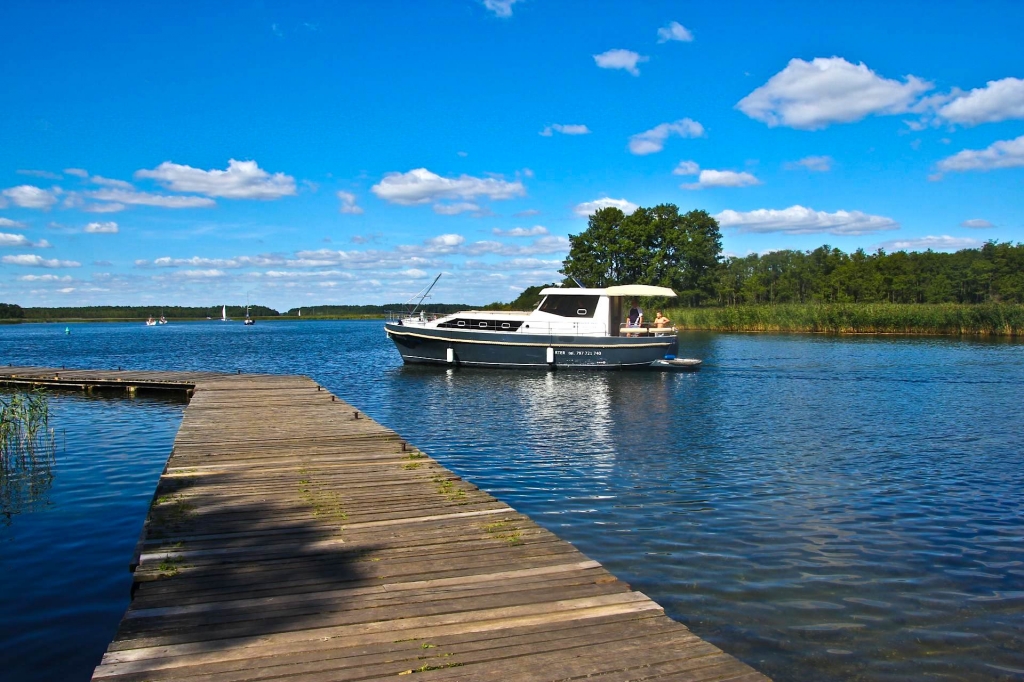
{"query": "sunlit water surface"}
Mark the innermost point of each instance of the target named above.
(823, 508)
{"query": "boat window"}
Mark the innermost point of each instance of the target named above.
(462, 323)
(571, 305)
(506, 325)
(482, 324)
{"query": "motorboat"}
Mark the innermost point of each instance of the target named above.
(571, 327)
(150, 322)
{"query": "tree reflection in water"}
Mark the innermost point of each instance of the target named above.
(27, 449)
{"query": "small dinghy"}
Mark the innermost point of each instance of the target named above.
(676, 364)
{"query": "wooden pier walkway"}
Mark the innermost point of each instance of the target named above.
(291, 536)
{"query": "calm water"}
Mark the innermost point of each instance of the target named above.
(825, 509)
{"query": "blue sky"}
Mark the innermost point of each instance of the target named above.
(311, 153)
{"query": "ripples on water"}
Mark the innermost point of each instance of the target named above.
(822, 508)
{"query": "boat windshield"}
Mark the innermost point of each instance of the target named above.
(571, 305)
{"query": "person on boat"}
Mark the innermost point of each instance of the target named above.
(660, 321)
(635, 317)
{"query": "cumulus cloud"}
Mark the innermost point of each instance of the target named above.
(348, 203)
(201, 262)
(501, 8)
(812, 95)
(977, 224)
(717, 178)
(816, 164)
(44, 278)
(111, 207)
(549, 244)
(35, 261)
(200, 274)
(674, 31)
(1001, 154)
(241, 180)
(653, 140)
(997, 101)
(110, 182)
(121, 196)
(420, 186)
(565, 129)
(30, 196)
(7, 222)
(942, 243)
(444, 243)
(456, 208)
(620, 59)
(77, 172)
(535, 231)
(101, 228)
(9, 239)
(588, 208)
(686, 168)
(47, 175)
(800, 220)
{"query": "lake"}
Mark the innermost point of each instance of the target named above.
(823, 508)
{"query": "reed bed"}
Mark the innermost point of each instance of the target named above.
(982, 319)
(27, 451)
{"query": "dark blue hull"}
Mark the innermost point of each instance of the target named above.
(495, 349)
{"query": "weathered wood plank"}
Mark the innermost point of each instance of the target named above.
(291, 536)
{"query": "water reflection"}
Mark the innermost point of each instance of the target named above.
(27, 452)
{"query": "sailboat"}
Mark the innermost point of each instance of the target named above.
(223, 313)
(150, 322)
(248, 320)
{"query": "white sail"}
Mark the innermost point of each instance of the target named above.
(224, 313)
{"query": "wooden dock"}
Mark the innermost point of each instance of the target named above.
(291, 536)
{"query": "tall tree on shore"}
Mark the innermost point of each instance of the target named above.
(650, 246)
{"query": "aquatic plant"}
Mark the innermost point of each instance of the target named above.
(954, 319)
(27, 448)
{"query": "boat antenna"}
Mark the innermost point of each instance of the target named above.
(423, 295)
(578, 283)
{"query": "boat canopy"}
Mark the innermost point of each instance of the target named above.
(620, 290)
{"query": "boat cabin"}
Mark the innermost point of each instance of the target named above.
(598, 312)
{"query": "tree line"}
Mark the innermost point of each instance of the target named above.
(660, 246)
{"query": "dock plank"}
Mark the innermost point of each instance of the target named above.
(291, 536)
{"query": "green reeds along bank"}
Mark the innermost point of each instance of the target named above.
(27, 449)
(982, 319)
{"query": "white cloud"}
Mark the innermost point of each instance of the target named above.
(200, 262)
(101, 228)
(997, 101)
(445, 243)
(535, 231)
(717, 178)
(348, 203)
(241, 180)
(977, 224)
(455, 209)
(674, 31)
(110, 182)
(812, 95)
(7, 222)
(45, 278)
(420, 186)
(34, 261)
(66, 290)
(200, 274)
(120, 196)
(1001, 154)
(549, 244)
(526, 214)
(112, 207)
(686, 168)
(816, 164)
(77, 172)
(565, 129)
(501, 8)
(800, 220)
(7, 239)
(943, 243)
(47, 175)
(653, 140)
(588, 208)
(30, 196)
(620, 59)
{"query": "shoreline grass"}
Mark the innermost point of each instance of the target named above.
(943, 319)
